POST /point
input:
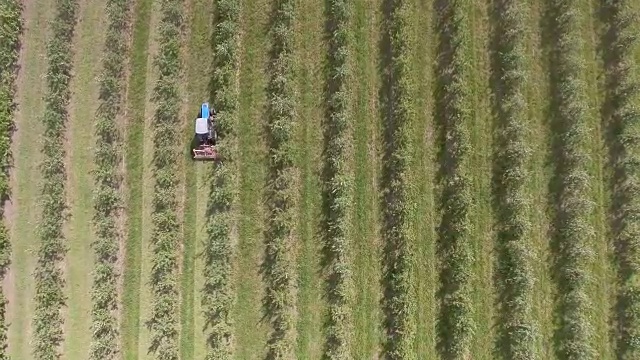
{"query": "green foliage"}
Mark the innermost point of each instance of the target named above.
(338, 186)
(622, 116)
(107, 178)
(49, 280)
(11, 26)
(455, 326)
(570, 185)
(399, 307)
(279, 300)
(218, 292)
(516, 337)
(163, 322)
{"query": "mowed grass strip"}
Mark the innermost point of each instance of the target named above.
(163, 321)
(308, 53)
(107, 200)
(250, 329)
(10, 32)
(337, 193)
(398, 303)
(80, 137)
(422, 169)
(570, 185)
(197, 82)
(455, 324)
(366, 244)
(134, 150)
(620, 113)
(218, 291)
(517, 331)
(49, 278)
(26, 176)
(278, 265)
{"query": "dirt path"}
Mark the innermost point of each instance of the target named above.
(25, 177)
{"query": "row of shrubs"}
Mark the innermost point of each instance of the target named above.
(399, 304)
(338, 185)
(573, 231)
(455, 326)
(622, 116)
(218, 293)
(49, 279)
(107, 201)
(516, 333)
(278, 266)
(10, 31)
(165, 238)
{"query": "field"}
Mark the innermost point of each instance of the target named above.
(401, 179)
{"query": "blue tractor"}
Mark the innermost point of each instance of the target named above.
(204, 143)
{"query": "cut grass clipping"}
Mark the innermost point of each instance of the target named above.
(10, 31)
(218, 293)
(49, 280)
(278, 266)
(338, 186)
(620, 112)
(107, 200)
(398, 305)
(570, 185)
(165, 237)
(516, 334)
(455, 324)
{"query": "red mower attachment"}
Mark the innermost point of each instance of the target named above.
(205, 152)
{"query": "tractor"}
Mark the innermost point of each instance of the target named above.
(204, 142)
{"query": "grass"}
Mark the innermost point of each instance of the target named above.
(308, 62)
(26, 177)
(601, 287)
(540, 175)
(197, 91)
(367, 272)
(88, 47)
(482, 236)
(250, 331)
(134, 152)
(422, 170)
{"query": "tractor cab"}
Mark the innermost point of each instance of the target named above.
(204, 144)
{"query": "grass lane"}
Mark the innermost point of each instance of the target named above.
(25, 176)
(309, 56)
(80, 142)
(250, 330)
(197, 72)
(482, 235)
(537, 184)
(134, 155)
(422, 170)
(367, 315)
(601, 287)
